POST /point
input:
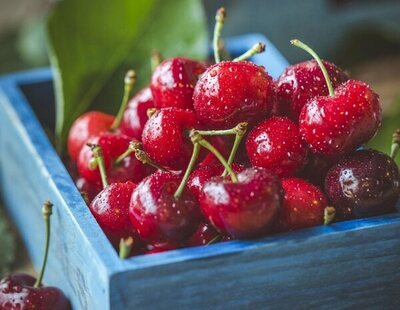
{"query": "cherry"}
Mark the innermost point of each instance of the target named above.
(276, 144)
(87, 189)
(339, 123)
(112, 145)
(204, 235)
(135, 115)
(22, 291)
(364, 183)
(161, 217)
(316, 169)
(155, 250)
(165, 139)
(303, 81)
(304, 205)
(91, 124)
(173, 81)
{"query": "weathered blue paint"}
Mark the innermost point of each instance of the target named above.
(348, 264)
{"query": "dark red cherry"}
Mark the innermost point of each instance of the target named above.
(339, 124)
(135, 115)
(245, 209)
(112, 145)
(173, 81)
(231, 92)
(204, 173)
(303, 81)
(155, 250)
(110, 208)
(303, 205)
(276, 144)
(88, 189)
(165, 137)
(316, 169)
(18, 292)
(364, 183)
(86, 126)
(204, 234)
(159, 218)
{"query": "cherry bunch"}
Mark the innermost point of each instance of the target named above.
(169, 170)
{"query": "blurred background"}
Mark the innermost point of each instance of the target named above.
(362, 36)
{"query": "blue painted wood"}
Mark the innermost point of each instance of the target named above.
(348, 264)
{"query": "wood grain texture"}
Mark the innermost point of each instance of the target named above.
(345, 265)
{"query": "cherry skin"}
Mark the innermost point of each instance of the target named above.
(173, 81)
(88, 125)
(204, 234)
(159, 218)
(135, 115)
(316, 169)
(245, 209)
(165, 137)
(18, 292)
(110, 208)
(303, 205)
(112, 145)
(303, 81)
(204, 173)
(89, 190)
(364, 183)
(231, 92)
(276, 144)
(333, 126)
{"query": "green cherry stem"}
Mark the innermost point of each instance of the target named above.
(155, 59)
(189, 169)
(395, 144)
(329, 215)
(309, 50)
(125, 247)
(99, 159)
(215, 239)
(133, 146)
(256, 49)
(219, 23)
(145, 159)
(197, 138)
(240, 131)
(47, 211)
(129, 82)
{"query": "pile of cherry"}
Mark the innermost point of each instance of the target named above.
(170, 171)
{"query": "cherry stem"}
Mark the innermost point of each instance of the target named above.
(197, 138)
(395, 144)
(125, 247)
(189, 169)
(99, 158)
(129, 82)
(256, 49)
(240, 131)
(309, 50)
(150, 112)
(215, 239)
(47, 211)
(329, 215)
(155, 59)
(133, 146)
(219, 23)
(145, 159)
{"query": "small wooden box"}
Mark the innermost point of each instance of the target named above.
(344, 265)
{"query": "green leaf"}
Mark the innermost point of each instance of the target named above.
(7, 245)
(92, 43)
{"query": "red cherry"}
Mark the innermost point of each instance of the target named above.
(110, 208)
(303, 81)
(155, 250)
(316, 169)
(88, 125)
(18, 292)
(159, 218)
(112, 145)
(204, 234)
(135, 115)
(173, 81)
(165, 137)
(90, 190)
(204, 173)
(276, 144)
(231, 92)
(303, 205)
(245, 209)
(339, 124)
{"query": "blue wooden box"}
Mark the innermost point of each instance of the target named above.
(344, 265)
